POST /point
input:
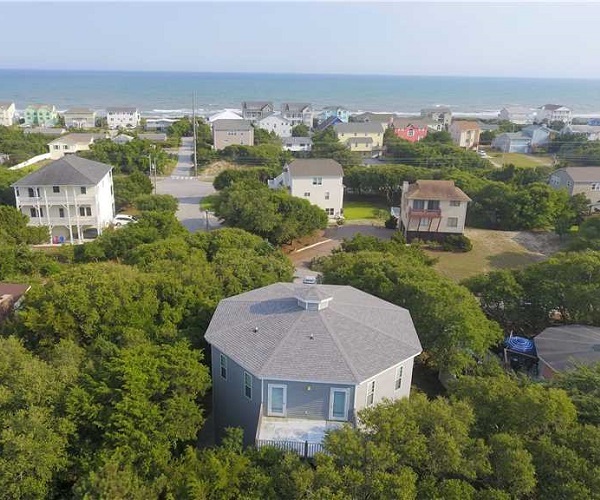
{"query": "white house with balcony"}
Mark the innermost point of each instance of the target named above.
(431, 210)
(7, 113)
(555, 113)
(123, 118)
(319, 181)
(292, 361)
(298, 113)
(80, 118)
(72, 196)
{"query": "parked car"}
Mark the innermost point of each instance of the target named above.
(310, 280)
(123, 220)
(482, 153)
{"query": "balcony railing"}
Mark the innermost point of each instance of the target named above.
(304, 449)
(421, 212)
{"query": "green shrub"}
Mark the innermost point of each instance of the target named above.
(456, 243)
(391, 222)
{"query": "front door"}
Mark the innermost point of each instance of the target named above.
(338, 404)
(277, 404)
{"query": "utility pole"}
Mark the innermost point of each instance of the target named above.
(194, 131)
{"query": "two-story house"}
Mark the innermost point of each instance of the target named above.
(364, 138)
(292, 361)
(71, 144)
(123, 117)
(7, 113)
(275, 123)
(410, 129)
(465, 134)
(42, 115)
(256, 110)
(519, 115)
(72, 197)
(512, 142)
(319, 181)
(80, 118)
(298, 113)
(555, 113)
(230, 132)
(297, 144)
(385, 119)
(576, 180)
(431, 210)
(442, 115)
(590, 132)
(334, 111)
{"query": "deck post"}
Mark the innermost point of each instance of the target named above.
(305, 449)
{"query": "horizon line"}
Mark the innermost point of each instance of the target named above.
(284, 73)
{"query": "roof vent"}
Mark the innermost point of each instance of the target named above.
(313, 298)
(256, 329)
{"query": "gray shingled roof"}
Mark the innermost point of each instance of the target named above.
(582, 174)
(289, 141)
(121, 110)
(70, 170)
(294, 106)
(256, 105)
(355, 337)
(232, 125)
(79, 111)
(359, 128)
(309, 168)
(561, 347)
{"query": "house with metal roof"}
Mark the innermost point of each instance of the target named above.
(72, 197)
(231, 132)
(579, 180)
(320, 181)
(291, 361)
(432, 210)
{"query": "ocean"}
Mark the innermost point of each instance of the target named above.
(170, 93)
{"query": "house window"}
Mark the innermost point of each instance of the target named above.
(317, 181)
(433, 205)
(371, 393)
(398, 378)
(596, 186)
(55, 189)
(326, 195)
(419, 204)
(454, 203)
(85, 211)
(33, 212)
(338, 404)
(248, 385)
(452, 221)
(330, 211)
(83, 190)
(307, 194)
(223, 365)
(61, 212)
(410, 133)
(33, 192)
(424, 221)
(277, 400)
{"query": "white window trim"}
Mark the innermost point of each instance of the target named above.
(346, 391)
(374, 384)
(400, 371)
(246, 374)
(452, 218)
(270, 411)
(223, 363)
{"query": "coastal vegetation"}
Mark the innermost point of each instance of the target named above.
(20, 146)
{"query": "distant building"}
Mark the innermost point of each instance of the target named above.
(563, 348)
(292, 361)
(153, 137)
(71, 144)
(122, 139)
(591, 132)
(519, 115)
(319, 181)
(7, 113)
(72, 196)
(330, 122)
(81, 118)
(442, 115)
(230, 132)
(297, 144)
(385, 119)
(430, 210)
(298, 113)
(256, 110)
(412, 130)
(363, 138)
(227, 114)
(275, 123)
(334, 111)
(465, 134)
(123, 117)
(159, 124)
(576, 180)
(52, 131)
(555, 113)
(42, 115)
(512, 142)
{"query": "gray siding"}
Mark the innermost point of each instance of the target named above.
(231, 408)
(385, 385)
(310, 404)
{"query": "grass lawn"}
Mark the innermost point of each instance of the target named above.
(374, 209)
(520, 159)
(492, 250)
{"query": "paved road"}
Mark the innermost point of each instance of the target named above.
(188, 190)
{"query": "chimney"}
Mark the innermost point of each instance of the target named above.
(404, 187)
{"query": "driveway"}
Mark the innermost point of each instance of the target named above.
(188, 190)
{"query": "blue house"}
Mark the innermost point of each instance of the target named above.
(512, 142)
(342, 113)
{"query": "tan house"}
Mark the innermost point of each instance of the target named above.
(365, 138)
(230, 132)
(430, 210)
(579, 180)
(465, 134)
(71, 143)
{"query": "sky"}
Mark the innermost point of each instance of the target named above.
(405, 38)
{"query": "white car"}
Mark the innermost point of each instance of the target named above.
(310, 280)
(123, 220)
(482, 153)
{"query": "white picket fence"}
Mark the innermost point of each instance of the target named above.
(31, 161)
